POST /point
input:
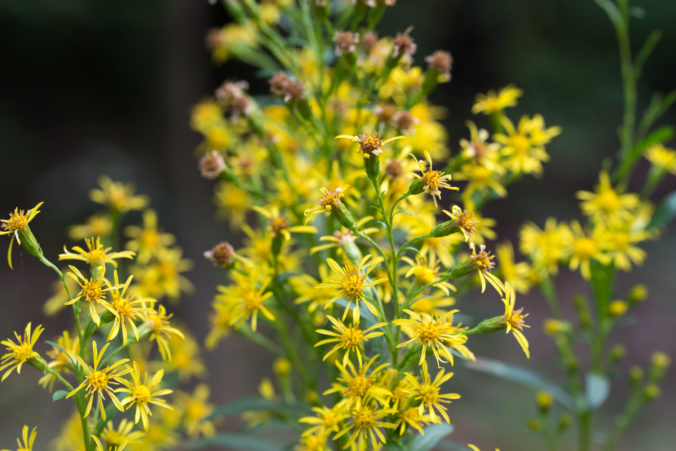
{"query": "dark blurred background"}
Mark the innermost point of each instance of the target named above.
(90, 88)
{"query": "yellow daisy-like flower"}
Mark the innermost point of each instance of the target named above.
(143, 392)
(92, 291)
(127, 309)
(279, 226)
(584, 249)
(20, 352)
(95, 254)
(435, 332)
(546, 247)
(118, 196)
(517, 274)
(513, 319)
(524, 144)
(478, 148)
(365, 426)
(60, 362)
(246, 297)
(16, 224)
(96, 225)
(351, 339)
(412, 418)
(370, 145)
(606, 205)
(325, 421)
(356, 385)
(161, 330)
(464, 220)
(619, 241)
(426, 272)
(328, 202)
(118, 438)
(427, 392)
(27, 438)
(351, 283)
(662, 157)
(196, 408)
(433, 181)
(483, 263)
(147, 241)
(491, 102)
(99, 382)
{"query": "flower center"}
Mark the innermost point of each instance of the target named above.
(123, 307)
(149, 239)
(516, 319)
(352, 337)
(352, 283)
(22, 352)
(278, 224)
(371, 144)
(358, 386)
(92, 291)
(252, 301)
(141, 394)
(363, 418)
(96, 256)
(608, 201)
(520, 143)
(429, 332)
(483, 261)
(432, 180)
(584, 248)
(331, 198)
(16, 222)
(429, 394)
(98, 381)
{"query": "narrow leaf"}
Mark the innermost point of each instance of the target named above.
(597, 388)
(664, 213)
(59, 394)
(433, 435)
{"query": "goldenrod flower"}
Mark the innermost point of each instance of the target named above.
(513, 319)
(17, 226)
(462, 220)
(491, 102)
(325, 421)
(279, 226)
(232, 203)
(356, 385)
(328, 202)
(127, 309)
(92, 291)
(412, 418)
(662, 157)
(351, 283)
(99, 382)
(516, 274)
(185, 357)
(478, 148)
(148, 240)
(369, 145)
(246, 297)
(161, 331)
(524, 145)
(143, 392)
(164, 276)
(60, 361)
(351, 339)
(483, 264)
(619, 241)
(426, 272)
(427, 392)
(433, 181)
(432, 304)
(96, 225)
(20, 352)
(365, 426)
(435, 332)
(606, 205)
(196, 408)
(118, 196)
(546, 247)
(27, 439)
(117, 438)
(95, 254)
(584, 249)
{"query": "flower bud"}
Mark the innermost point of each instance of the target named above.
(618, 308)
(544, 401)
(617, 353)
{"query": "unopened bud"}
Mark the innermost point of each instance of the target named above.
(544, 401)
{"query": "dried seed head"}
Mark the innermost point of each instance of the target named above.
(346, 42)
(441, 61)
(283, 86)
(221, 255)
(394, 169)
(385, 113)
(214, 38)
(403, 44)
(230, 91)
(368, 41)
(405, 121)
(211, 165)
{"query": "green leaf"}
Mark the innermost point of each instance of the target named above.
(433, 435)
(393, 447)
(59, 394)
(236, 442)
(643, 54)
(597, 388)
(664, 213)
(658, 105)
(255, 403)
(522, 376)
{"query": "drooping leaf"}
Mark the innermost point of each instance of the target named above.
(433, 435)
(597, 388)
(236, 442)
(522, 376)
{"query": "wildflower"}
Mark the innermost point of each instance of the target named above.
(482, 262)
(160, 330)
(127, 310)
(327, 420)
(197, 409)
(427, 272)
(359, 384)
(92, 292)
(212, 165)
(279, 226)
(95, 254)
(96, 225)
(232, 203)
(513, 319)
(433, 181)
(163, 277)
(411, 417)
(351, 339)
(330, 203)
(524, 144)
(350, 283)
(618, 307)
(185, 357)
(117, 438)
(343, 237)
(461, 220)
(368, 41)
(228, 93)
(435, 332)
(517, 274)
(441, 62)
(432, 304)
(20, 352)
(99, 382)
(147, 241)
(27, 439)
(246, 296)
(60, 362)
(118, 196)
(546, 247)
(283, 86)
(346, 42)
(619, 243)
(492, 103)
(369, 145)
(17, 226)
(365, 424)
(584, 249)
(606, 205)
(427, 393)
(662, 157)
(143, 392)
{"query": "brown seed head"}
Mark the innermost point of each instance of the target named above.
(211, 165)
(441, 61)
(221, 255)
(403, 44)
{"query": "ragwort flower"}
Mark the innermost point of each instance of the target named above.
(20, 352)
(17, 226)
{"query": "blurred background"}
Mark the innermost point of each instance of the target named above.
(90, 88)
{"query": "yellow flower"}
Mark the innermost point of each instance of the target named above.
(606, 205)
(351, 283)
(325, 421)
(427, 392)
(246, 297)
(279, 226)
(369, 145)
(364, 425)
(147, 241)
(99, 382)
(435, 332)
(411, 417)
(185, 357)
(118, 196)
(584, 249)
(356, 385)
(513, 319)
(619, 242)
(60, 362)
(662, 157)
(20, 352)
(328, 202)
(546, 247)
(477, 148)
(232, 203)
(433, 181)
(426, 272)
(95, 254)
(163, 277)
(196, 408)
(92, 291)
(351, 339)
(96, 225)
(27, 439)
(17, 226)
(463, 220)
(483, 264)
(524, 145)
(117, 438)
(161, 331)
(127, 309)
(517, 274)
(491, 102)
(142, 393)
